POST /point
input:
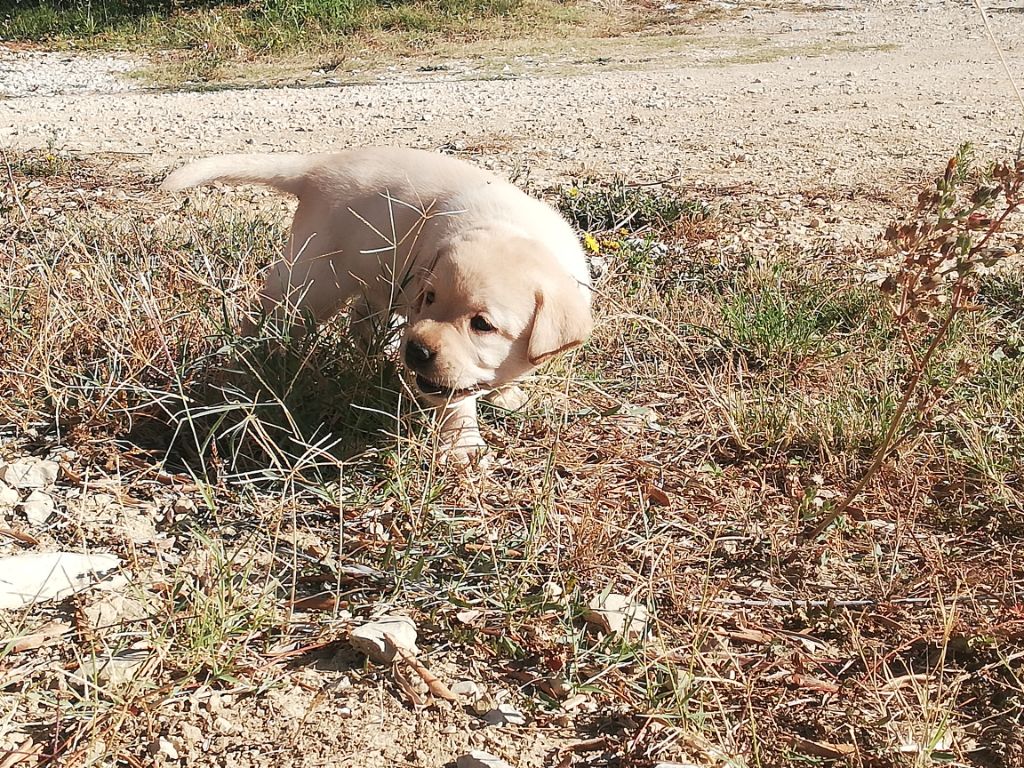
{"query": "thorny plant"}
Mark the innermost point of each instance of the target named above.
(946, 243)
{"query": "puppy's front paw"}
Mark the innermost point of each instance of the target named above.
(466, 449)
(510, 398)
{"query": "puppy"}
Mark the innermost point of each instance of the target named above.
(489, 281)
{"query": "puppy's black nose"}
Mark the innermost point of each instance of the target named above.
(416, 354)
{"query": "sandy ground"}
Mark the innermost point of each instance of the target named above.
(839, 97)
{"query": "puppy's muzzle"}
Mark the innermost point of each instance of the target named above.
(417, 355)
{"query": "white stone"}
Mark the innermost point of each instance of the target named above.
(618, 615)
(37, 508)
(505, 714)
(378, 639)
(33, 577)
(113, 671)
(114, 609)
(183, 505)
(466, 689)
(477, 758)
(30, 473)
(8, 496)
(224, 726)
(163, 747)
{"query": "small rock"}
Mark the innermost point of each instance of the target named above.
(8, 496)
(617, 614)
(505, 714)
(37, 508)
(477, 758)
(190, 733)
(183, 505)
(163, 747)
(380, 639)
(114, 609)
(482, 703)
(466, 689)
(551, 591)
(469, 615)
(33, 577)
(113, 671)
(30, 473)
(222, 725)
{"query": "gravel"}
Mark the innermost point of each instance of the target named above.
(39, 73)
(771, 100)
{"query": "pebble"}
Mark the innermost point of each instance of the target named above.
(190, 732)
(8, 496)
(30, 473)
(183, 505)
(378, 639)
(164, 747)
(466, 689)
(505, 714)
(618, 615)
(113, 671)
(477, 758)
(37, 508)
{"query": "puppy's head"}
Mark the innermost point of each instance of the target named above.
(491, 309)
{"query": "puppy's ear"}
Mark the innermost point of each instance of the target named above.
(561, 321)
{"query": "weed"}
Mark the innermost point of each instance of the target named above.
(606, 207)
(952, 236)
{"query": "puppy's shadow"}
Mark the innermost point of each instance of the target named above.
(262, 408)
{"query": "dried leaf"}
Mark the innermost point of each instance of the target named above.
(37, 639)
(319, 603)
(20, 537)
(812, 683)
(408, 688)
(746, 635)
(28, 750)
(658, 496)
(822, 748)
(434, 684)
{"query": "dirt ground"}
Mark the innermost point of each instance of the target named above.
(844, 97)
(853, 102)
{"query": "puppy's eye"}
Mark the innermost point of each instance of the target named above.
(428, 298)
(479, 323)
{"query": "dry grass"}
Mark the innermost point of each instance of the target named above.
(227, 44)
(725, 400)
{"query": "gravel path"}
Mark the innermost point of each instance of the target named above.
(42, 73)
(846, 97)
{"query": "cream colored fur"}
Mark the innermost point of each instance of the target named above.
(453, 249)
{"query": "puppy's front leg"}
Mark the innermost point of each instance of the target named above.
(510, 397)
(460, 433)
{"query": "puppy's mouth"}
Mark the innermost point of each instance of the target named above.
(428, 387)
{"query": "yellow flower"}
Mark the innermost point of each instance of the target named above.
(611, 244)
(573, 192)
(591, 243)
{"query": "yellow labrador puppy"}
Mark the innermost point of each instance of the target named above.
(490, 281)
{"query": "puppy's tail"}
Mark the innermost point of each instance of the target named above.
(286, 172)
